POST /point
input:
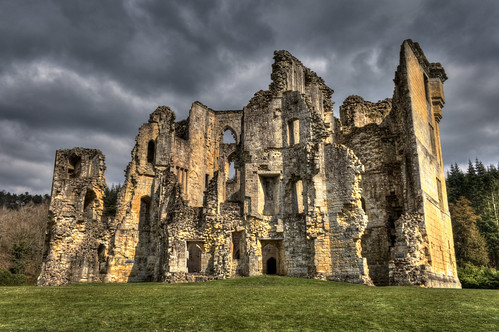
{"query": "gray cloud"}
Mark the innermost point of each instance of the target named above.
(88, 73)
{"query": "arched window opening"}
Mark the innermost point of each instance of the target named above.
(151, 150)
(74, 166)
(229, 136)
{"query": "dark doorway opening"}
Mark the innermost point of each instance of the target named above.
(194, 260)
(271, 266)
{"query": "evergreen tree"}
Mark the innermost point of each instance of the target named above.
(490, 231)
(110, 200)
(471, 185)
(482, 187)
(469, 244)
(456, 183)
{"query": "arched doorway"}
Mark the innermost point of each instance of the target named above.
(272, 257)
(271, 266)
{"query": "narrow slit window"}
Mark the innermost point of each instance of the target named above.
(232, 171)
(293, 132)
(439, 191)
(297, 199)
(236, 245)
(151, 151)
(427, 96)
(432, 139)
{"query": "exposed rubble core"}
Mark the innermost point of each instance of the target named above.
(278, 187)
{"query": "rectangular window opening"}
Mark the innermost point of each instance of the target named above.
(440, 195)
(268, 195)
(427, 96)
(293, 132)
(297, 199)
(432, 139)
(236, 244)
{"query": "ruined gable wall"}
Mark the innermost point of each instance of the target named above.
(280, 158)
(195, 156)
(437, 218)
(357, 112)
(201, 153)
(135, 202)
(347, 219)
(229, 152)
(382, 191)
(402, 162)
(77, 234)
(142, 237)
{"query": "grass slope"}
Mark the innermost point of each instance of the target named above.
(257, 303)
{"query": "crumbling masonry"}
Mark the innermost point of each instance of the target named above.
(297, 192)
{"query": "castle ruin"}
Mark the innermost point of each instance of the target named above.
(295, 191)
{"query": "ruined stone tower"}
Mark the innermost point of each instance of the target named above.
(295, 191)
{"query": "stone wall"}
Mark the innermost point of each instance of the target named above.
(293, 191)
(397, 141)
(78, 236)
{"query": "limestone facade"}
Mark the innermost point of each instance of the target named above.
(278, 187)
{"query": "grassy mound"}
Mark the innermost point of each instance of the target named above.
(257, 303)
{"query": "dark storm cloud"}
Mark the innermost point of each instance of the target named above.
(88, 73)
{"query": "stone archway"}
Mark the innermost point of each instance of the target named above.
(272, 257)
(271, 266)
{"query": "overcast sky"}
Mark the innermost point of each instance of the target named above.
(88, 73)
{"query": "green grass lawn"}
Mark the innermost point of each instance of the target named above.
(257, 303)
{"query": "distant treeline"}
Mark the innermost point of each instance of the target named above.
(15, 201)
(474, 205)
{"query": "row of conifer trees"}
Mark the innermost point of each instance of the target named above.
(474, 206)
